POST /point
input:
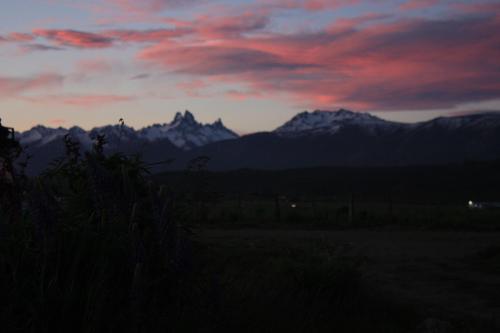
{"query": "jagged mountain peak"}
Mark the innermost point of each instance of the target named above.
(188, 116)
(186, 132)
(186, 119)
(178, 117)
(218, 124)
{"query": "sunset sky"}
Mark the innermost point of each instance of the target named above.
(253, 63)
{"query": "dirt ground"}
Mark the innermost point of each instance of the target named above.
(455, 274)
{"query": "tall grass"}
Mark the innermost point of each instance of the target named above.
(90, 246)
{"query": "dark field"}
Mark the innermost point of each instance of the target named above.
(335, 214)
(96, 244)
(333, 249)
(380, 250)
(446, 184)
(385, 281)
(405, 197)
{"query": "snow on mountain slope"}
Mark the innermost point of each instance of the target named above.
(41, 135)
(310, 139)
(115, 135)
(82, 136)
(186, 133)
(482, 121)
(330, 122)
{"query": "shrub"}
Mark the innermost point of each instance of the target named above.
(91, 245)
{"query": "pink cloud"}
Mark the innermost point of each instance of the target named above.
(94, 65)
(345, 24)
(12, 86)
(192, 88)
(478, 7)
(105, 39)
(94, 100)
(418, 4)
(153, 35)
(217, 59)
(242, 95)
(407, 64)
(218, 24)
(74, 38)
(327, 4)
(20, 37)
(16, 37)
(311, 5)
(368, 61)
(230, 26)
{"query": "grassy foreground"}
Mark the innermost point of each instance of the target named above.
(94, 245)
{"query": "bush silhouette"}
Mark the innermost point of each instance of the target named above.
(91, 245)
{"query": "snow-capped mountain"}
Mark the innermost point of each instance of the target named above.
(183, 132)
(345, 138)
(310, 139)
(186, 133)
(330, 122)
(40, 135)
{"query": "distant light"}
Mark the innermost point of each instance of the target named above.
(475, 205)
(293, 206)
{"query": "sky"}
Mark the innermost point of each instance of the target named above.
(253, 63)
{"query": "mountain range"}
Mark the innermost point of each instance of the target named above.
(310, 139)
(183, 132)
